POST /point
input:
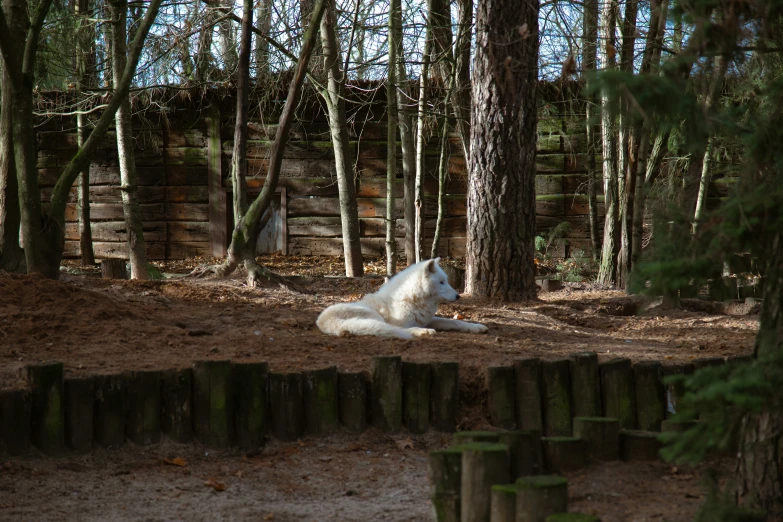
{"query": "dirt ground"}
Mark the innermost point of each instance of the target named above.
(105, 326)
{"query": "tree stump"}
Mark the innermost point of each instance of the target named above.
(142, 421)
(320, 401)
(15, 419)
(387, 393)
(466, 437)
(562, 454)
(527, 382)
(483, 465)
(601, 436)
(176, 397)
(444, 396)
(445, 478)
(617, 391)
(540, 496)
(674, 392)
(47, 429)
(109, 409)
(352, 393)
(500, 396)
(213, 403)
(286, 408)
(556, 381)
(585, 385)
(114, 269)
(639, 445)
(524, 449)
(250, 383)
(416, 384)
(79, 406)
(503, 503)
(650, 395)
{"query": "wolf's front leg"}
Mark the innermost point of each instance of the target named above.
(444, 324)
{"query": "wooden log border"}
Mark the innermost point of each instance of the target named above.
(192, 403)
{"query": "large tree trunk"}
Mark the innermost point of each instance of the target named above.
(501, 188)
(391, 149)
(421, 142)
(129, 183)
(589, 59)
(239, 156)
(338, 125)
(607, 271)
(85, 73)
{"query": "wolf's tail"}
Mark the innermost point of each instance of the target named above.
(350, 318)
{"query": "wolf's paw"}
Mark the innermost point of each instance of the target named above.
(477, 328)
(422, 332)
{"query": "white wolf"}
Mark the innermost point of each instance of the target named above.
(404, 307)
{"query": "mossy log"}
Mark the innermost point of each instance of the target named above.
(213, 403)
(47, 429)
(444, 396)
(503, 503)
(556, 394)
(250, 384)
(445, 478)
(500, 396)
(15, 414)
(617, 391)
(650, 395)
(142, 416)
(320, 401)
(524, 447)
(601, 436)
(540, 496)
(562, 454)
(674, 392)
(176, 398)
(286, 409)
(352, 393)
(527, 394)
(387, 393)
(483, 465)
(467, 437)
(79, 405)
(585, 385)
(572, 517)
(109, 410)
(639, 445)
(416, 385)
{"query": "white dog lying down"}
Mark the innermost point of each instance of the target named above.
(404, 307)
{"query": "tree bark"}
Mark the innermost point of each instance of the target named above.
(391, 149)
(407, 132)
(239, 156)
(443, 166)
(85, 72)
(204, 60)
(338, 125)
(501, 188)
(264, 24)
(589, 59)
(129, 183)
(462, 100)
(421, 142)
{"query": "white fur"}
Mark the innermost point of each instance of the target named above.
(404, 307)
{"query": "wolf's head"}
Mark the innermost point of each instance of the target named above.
(437, 282)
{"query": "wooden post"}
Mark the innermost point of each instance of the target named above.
(416, 387)
(218, 226)
(142, 421)
(483, 466)
(79, 405)
(387, 393)
(444, 396)
(250, 403)
(674, 392)
(540, 496)
(563, 454)
(503, 503)
(286, 410)
(524, 451)
(601, 436)
(320, 401)
(445, 478)
(639, 445)
(114, 269)
(352, 392)
(48, 418)
(212, 403)
(500, 397)
(585, 385)
(527, 379)
(109, 409)
(556, 394)
(176, 397)
(650, 395)
(617, 391)
(466, 437)
(15, 413)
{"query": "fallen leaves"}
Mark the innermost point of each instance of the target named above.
(404, 444)
(215, 484)
(177, 461)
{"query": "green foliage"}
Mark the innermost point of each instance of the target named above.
(154, 272)
(720, 507)
(577, 267)
(555, 237)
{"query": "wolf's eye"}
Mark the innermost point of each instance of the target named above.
(443, 282)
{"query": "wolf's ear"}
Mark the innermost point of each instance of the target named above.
(431, 264)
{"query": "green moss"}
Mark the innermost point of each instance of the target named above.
(508, 489)
(560, 439)
(596, 419)
(485, 446)
(550, 197)
(475, 436)
(541, 482)
(572, 517)
(54, 416)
